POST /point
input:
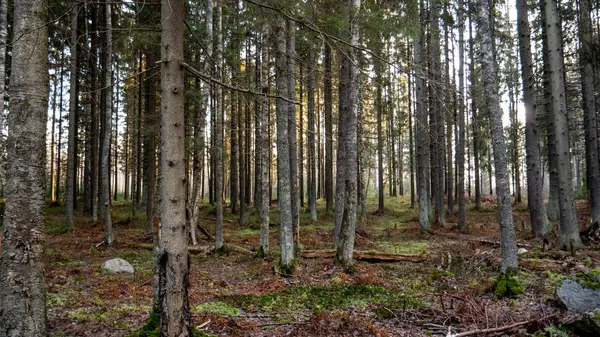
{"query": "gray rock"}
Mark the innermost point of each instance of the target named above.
(117, 266)
(578, 298)
(521, 251)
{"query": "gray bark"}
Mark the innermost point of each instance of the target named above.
(460, 145)
(422, 125)
(174, 261)
(328, 100)
(348, 165)
(490, 79)
(569, 233)
(293, 141)
(589, 107)
(535, 197)
(150, 141)
(312, 172)
(105, 169)
(218, 135)
(72, 141)
(286, 229)
(265, 145)
(22, 290)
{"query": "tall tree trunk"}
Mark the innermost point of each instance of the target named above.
(22, 291)
(311, 160)
(535, 197)
(411, 144)
(94, 114)
(301, 140)
(286, 229)
(105, 169)
(70, 189)
(235, 153)
(218, 134)
(52, 131)
(328, 100)
(589, 106)
(460, 145)
(476, 144)
(347, 135)
(379, 108)
(174, 260)
(57, 189)
(422, 124)
(490, 79)
(569, 233)
(293, 141)
(265, 145)
(150, 142)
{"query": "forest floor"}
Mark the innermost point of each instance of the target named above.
(450, 287)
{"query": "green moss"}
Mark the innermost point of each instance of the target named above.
(590, 279)
(507, 285)
(56, 228)
(221, 308)
(261, 253)
(152, 326)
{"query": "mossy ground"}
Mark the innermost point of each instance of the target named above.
(241, 294)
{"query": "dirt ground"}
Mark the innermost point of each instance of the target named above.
(450, 289)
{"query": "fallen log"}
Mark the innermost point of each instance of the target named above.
(480, 240)
(369, 256)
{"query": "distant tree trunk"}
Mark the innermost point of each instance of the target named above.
(22, 290)
(286, 229)
(218, 135)
(150, 133)
(411, 151)
(569, 233)
(311, 160)
(328, 97)
(589, 106)
(174, 260)
(490, 79)
(476, 166)
(57, 189)
(105, 169)
(301, 140)
(94, 114)
(535, 197)
(422, 136)
(265, 146)
(347, 135)
(70, 189)
(379, 108)
(460, 145)
(53, 128)
(257, 130)
(235, 153)
(293, 140)
(447, 111)
(360, 147)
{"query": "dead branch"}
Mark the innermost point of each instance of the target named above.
(501, 328)
(480, 240)
(365, 256)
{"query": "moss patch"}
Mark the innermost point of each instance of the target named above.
(590, 279)
(221, 308)
(507, 285)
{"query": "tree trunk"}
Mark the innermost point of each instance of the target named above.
(293, 141)
(328, 97)
(476, 165)
(460, 145)
(105, 169)
(150, 142)
(312, 172)
(535, 197)
(589, 107)
(265, 145)
(174, 261)
(57, 189)
(70, 189)
(347, 136)
(379, 108)
(22, 290)
(569, 233)
(286, 229)
(490, 79)
(422, 136)
(218, 134)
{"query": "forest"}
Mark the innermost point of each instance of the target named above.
(299, 168)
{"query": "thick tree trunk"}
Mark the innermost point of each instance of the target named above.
(490, 79)
(70, 189)
(569, 233)
(328, 97)
(286, 229)
(265, 145)
(348, 160)
(292, 130)
(460, 145)
(535, 197)
(22, 290)
(218, 134)
(422, 125)
(105, 169)
(174, 261)
(589, 107)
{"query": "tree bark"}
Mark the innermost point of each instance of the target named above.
(150, 142)
(22, 290)
(569, 233)
(328, 100)
(174, 261)
(490, 79)
(292, 130)
(70, 189)
(460, 145)
(286, 229)
(218, 134)
(476, 165)
(535, 197)
(312, 172)
(105, 169)
(265, 145)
